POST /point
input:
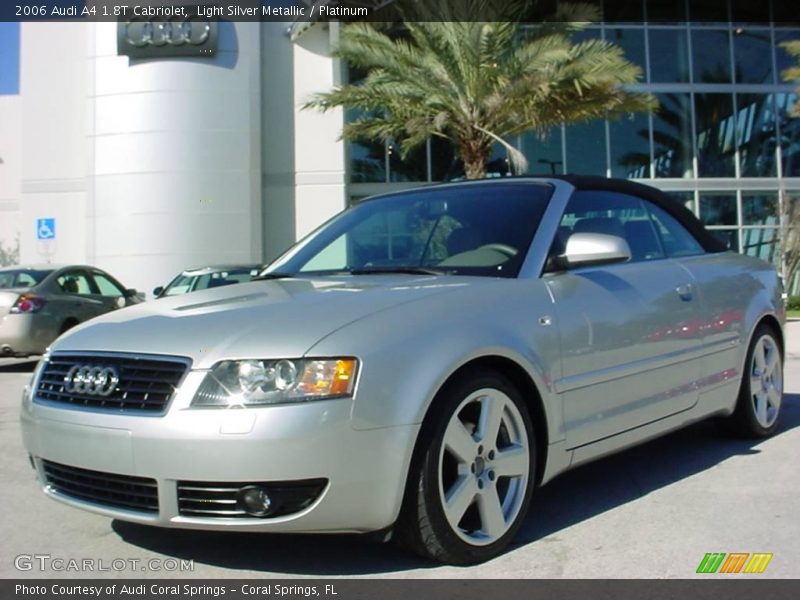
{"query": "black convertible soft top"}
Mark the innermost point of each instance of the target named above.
(682, 214)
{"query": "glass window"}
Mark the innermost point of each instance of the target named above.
(630, 146)
(106, 286)
(718, 209)
(632, 43)
(544, 155)
(715, 135)
(444, 165)
(367, 158)
(675, 240)
(471, 229)
(672, 136)
(763, 243)
(760, 208)
(729, 237)
(711, 56)
(783, 59)
(590, 33)
(756, 134)
(612, 213)
(790, 134)
(74, 282)
(752, 49)
(14, 278)
(669, 52)
(182, 284)
(623, 11)
(413, 167)
(685, 198)
(666, 11)
(586, 148)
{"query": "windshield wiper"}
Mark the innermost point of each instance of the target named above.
(395, 270)
(273, 275)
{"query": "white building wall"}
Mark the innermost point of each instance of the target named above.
(319, 154)
(176, 158)
(53, 95)
(10, 170)
(153, 166)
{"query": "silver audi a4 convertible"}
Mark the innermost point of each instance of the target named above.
(415, 368)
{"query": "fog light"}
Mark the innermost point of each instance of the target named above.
(255, 500)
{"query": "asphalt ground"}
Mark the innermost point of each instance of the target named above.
(650, 512)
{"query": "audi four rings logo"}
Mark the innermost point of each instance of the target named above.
(170, 32)
(92, 381)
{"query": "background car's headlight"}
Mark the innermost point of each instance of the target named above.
(260, 382)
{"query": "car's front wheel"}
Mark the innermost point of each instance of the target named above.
(471, 484)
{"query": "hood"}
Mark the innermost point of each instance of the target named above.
(260, 319)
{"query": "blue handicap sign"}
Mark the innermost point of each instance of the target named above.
(46, 229)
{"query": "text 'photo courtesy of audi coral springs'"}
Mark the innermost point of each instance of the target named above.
(416, 367)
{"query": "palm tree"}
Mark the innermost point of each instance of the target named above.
(478, 83)
(791, 230)
(793, 73)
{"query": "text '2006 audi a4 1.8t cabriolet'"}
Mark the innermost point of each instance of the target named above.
(416, 366)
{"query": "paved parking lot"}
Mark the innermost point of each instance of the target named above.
(653, 511)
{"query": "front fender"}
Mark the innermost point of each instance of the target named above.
(408, 353)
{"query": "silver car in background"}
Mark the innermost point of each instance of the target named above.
(202, 278)
(416, 367)
(40, 302)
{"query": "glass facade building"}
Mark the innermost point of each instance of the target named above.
(723, 140)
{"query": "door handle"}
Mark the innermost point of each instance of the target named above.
(685, 292)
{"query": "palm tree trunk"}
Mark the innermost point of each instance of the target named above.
(475, 154)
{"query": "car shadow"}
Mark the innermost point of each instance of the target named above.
(573, 497)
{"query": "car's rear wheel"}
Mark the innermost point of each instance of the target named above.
(471, 484)
(67, 325)
(761, 391)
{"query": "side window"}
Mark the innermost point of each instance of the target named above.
(107, 287)
(674, 237)
(74, 282)
(611, 213)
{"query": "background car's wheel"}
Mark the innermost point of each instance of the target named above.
(761, 391)
(67, 325)
(471, 483)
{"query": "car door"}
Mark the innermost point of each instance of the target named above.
(724, 284)
(628, 331)
(107, 292)
(79, 301)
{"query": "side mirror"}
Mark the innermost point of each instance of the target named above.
(130, 293)
(157, 291)
(590, 249)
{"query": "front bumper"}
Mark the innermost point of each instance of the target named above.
(365, 469)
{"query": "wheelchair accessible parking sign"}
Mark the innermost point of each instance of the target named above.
(46, 229)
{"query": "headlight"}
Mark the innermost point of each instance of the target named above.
(261, 382)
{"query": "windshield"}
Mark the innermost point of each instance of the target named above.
(21, 278)
(471, 229)
(186, 282)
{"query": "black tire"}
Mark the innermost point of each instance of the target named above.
(67, 325)
(758, 410)
(436, 469)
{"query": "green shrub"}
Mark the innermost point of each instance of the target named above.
(793, 303)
